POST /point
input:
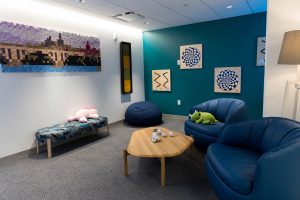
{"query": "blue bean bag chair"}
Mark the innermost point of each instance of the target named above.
(143, 113)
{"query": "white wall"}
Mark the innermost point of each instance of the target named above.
(282, 16)
(29, 101)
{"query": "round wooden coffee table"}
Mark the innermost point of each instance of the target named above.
(140, 145)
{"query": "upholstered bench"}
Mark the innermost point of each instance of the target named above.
(64, 131)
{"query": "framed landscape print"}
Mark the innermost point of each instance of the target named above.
(26, 48)
(191, 56)
(161, 80)
(227, 80)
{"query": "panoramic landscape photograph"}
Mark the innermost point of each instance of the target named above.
(30, 49)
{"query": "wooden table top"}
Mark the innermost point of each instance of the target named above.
(140, 144)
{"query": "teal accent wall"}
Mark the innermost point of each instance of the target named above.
(226, 42)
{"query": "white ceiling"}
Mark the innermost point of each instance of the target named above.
(168, 13)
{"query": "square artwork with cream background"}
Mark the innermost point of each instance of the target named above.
(261, 51)
(161, 80)
(227, 80)
(191, 56)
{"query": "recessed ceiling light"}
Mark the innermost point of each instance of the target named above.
(230, 6)
(146, 22)
(128, 16)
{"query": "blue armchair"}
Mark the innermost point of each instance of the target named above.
(226, 111)
(256, 160)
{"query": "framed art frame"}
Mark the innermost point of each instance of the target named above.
(191, 56)
(161, 80)
(25, 48)
(126, 68)
(261, 51)
(227, 80)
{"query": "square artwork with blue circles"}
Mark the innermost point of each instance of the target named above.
(228, 80)
(191, 56)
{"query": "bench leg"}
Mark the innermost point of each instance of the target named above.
(49, 150)
(37, 147)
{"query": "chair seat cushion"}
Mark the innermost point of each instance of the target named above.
(234, 166)
(210, 130)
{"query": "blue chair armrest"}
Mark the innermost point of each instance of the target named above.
(237, 113)
(226, 110)
(246, 134)
(274, 170)
(198, 107)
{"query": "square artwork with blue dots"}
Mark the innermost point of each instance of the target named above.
(228, 80)
(191, 56)
(26, 48)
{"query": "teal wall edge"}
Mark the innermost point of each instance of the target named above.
(226, 42)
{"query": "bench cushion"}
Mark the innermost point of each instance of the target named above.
(69, 129)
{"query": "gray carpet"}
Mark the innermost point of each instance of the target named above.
(92, 168)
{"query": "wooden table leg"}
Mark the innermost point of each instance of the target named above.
(125, 154)
(163, 171)
(37, 147)
(49, 150)
(107, 128)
